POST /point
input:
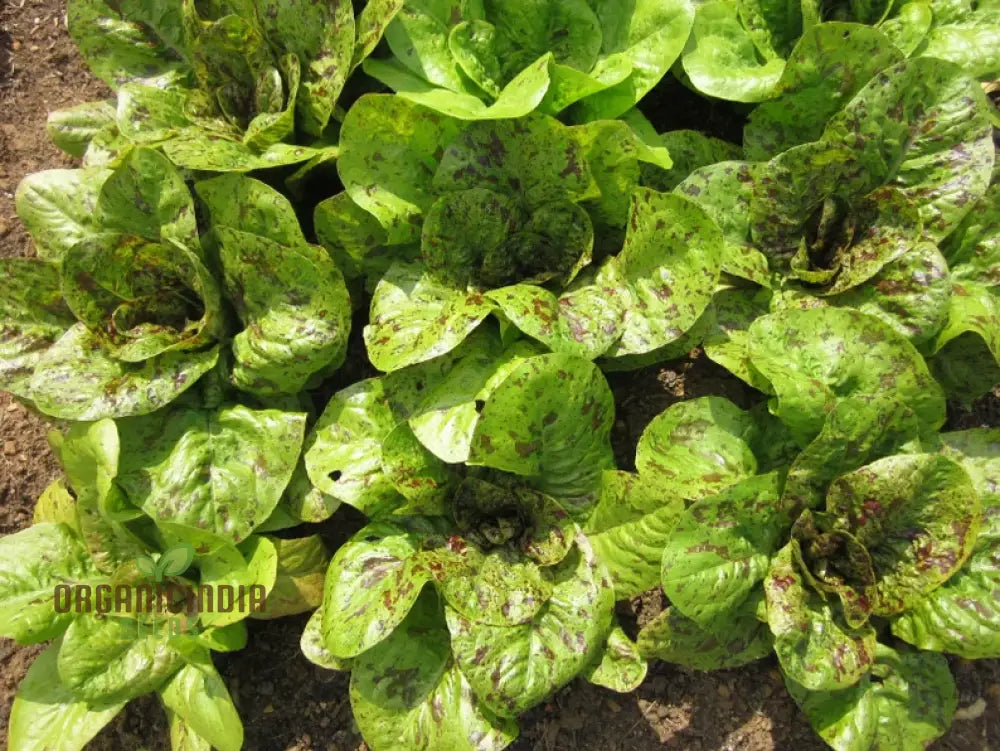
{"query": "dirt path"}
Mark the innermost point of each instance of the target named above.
(286, 702)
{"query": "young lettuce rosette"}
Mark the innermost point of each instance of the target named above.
(860, 520)
(219, 86)
(522, 219)
(127, 308)
(740, 50)
(472, 595)
(134, 617)
(498, 59)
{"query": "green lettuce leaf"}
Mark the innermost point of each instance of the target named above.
(514, 668)
(407, 692)
(906, 702)
(46, 716)
(217, 470)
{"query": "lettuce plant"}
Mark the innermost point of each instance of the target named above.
(219, 86)
(92, 535)
(523, 219)
(817, 546)
(472, 586)
(129, 305)
(740, 49)
(869, 214)
(495, 59)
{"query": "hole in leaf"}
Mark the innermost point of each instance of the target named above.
(336, 475)
(479, 405)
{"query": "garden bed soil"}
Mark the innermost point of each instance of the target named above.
(288, 703)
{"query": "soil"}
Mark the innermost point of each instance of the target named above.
(288, 703)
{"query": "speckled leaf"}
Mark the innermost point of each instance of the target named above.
(408, 694)
(441, 397)
(918, 516)
(322, 36)
(971, 41)
(343, 453)
(720, 549)
(689, 150)
(670, 263)
(146, 196)
(726, 342)
(498, 588)
(814, 646)
(488, 239)
(389, 152)
(373, 581)
(45, 716)
(790, 349)
(370, 26)
(33, 317)
(511, 669)
(584, 320)
(415, 317)
(197, 150)
(34, 561)
(74, 128)
(417, 474)
(222, 563)
(106, 659)
(301, 571)
(76, 379)
(142, 299)
(973, 249)
(788, 190)
(629, 527)
(721, 59)
(697, 447)
(57, 505)
(550, 421)
(907, 701)
(58, 207)
(295, 306)
(621, 668)
(974, 315)
(829, 64)
(248, 205)
(922, 126)
(911, 294)
(222, 471)
(961, 616)
(119, 50)
(858, 429)
(352, 236)
(536, 158)
(315, 650)
(908, 26)
(724, 190)
(672, 637)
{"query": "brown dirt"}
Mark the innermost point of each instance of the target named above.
(286, 702)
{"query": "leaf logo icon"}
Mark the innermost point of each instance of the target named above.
(174, 561)
(146, 566)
